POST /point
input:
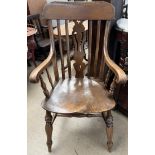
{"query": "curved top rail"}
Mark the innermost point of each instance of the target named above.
(98, 10)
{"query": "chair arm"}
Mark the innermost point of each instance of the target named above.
(34, 76)
(121, 77)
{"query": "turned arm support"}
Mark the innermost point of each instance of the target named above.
(34, 76)
(121, 77)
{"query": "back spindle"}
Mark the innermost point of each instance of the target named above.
(89, 45)
(97, 47)
(60, 49)
(44, 88)
(68, 49)
(56, 73)
(49, 79)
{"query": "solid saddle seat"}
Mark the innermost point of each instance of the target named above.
(77, 95)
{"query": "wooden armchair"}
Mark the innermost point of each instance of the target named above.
(79, 95)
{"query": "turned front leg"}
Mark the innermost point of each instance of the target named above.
(109, 129)
(49, 129)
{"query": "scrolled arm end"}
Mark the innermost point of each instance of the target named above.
(34, 76)
(121, 77)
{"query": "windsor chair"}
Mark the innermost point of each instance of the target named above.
(78, 95)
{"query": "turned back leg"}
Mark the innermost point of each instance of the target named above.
(49, 129)
(109, 128)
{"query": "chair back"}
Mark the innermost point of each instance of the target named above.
(97, 14)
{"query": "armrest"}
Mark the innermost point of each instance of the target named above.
(121, 77)
(34, 76)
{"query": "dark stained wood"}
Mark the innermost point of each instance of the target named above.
(78, 39)
(79, 96)
(60, 49)
(97, 46)
(49, 78)
(79, 10)
(109, 129)
(120, 74)
(89, 46)
(34, 76)
(80, 115)
(107, 76)
(100, 62)
(70, 28)
(56, 73)
(44, 88)
(68, 48)
(49, 129)
(112, 86)
(102, 68)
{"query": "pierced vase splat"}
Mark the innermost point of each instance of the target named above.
(78, 39)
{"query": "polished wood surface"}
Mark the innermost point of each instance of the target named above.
(70, 28)
(79, 10)
(68, 48)
(79, 96)
(48, 129)
(120, 74)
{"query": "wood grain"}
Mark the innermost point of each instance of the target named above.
(70, 28)
(51, 32)
(89, 46)
(79, 10)
(49, 129)
(60, 49)
(68, 48)
(34, 76)
(120, 74)
(109, 129)
(49, 78)
(78, 40)
(78, 96)
(97, 46)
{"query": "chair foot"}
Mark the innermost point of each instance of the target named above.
(109, 129)
(109, 145)
(49, 129)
